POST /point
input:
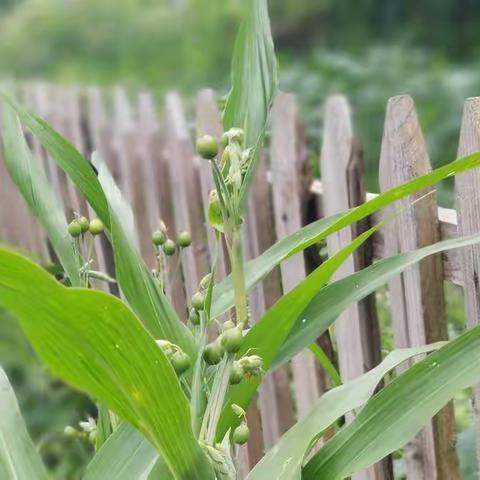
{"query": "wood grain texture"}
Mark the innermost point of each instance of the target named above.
(356, 329)
(287, 214)
(467, 187)
(416, 296)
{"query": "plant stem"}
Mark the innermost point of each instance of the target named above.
(222, 377)
(238, 278)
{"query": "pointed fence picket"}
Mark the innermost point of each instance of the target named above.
(153, 160)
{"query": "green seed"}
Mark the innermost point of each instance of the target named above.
(194, 317)
(231, 340)
(184, 239)
(169, 247)
(158, 238)
(84, 223)
(198, 301)
(213, 353)
(180, 362)
(96, 227)
(74, 228)
(207, 147)
(236, 374)
(241, 434)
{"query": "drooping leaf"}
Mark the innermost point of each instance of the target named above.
(268, 334)
(258, 268)
(332, 300)
(152, 306)
(395, 414)
(126, 455)
(317, 231)
(254, 82)
(29, 177)
(94, 342)
(285, 460)
(18, 455)
(139, 286)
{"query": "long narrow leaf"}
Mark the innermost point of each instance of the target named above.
(332, 300)
(153, 302)
(319, 230)
(95, 343)
(267, 336)
(254, 82)
(258, 268)
(394, 415)
(285, 460)
(18, 455)
(126, 455)
(31, 181)
(137, 283)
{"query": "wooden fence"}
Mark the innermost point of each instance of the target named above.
(153, 160)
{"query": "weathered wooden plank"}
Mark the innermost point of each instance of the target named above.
(467, 187)
(417, 301)
(286, 201)
(356, 329)
(188, 209)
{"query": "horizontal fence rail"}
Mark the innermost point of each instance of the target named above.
(152, 158)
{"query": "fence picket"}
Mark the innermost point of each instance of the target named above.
(356, 330)
(286, 200)
(417, 301)
(467, 186)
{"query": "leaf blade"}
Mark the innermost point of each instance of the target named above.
(103, 349)
(284, 462)
(18, 455)
(31, 181)
(395, 414)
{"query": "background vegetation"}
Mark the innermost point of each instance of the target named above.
(369, 50)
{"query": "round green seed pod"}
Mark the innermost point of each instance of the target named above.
(236, 374)
(198, 301)
(180, 362)
(169, 247)
(96, 227)
(213, 353)
(184, 239)
(207, 147)
(241, 434)
(158, 238)
(84, 223)
(231, 339)
(74, 228)
(194, 317)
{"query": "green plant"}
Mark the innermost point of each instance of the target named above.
(169, 404)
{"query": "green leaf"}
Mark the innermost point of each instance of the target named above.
(18, 455)
(258, 268)
(94, 342)
(142, 290)
(126, 455)
(285, 460)
(135, 279)
(317, 231)
(29, 177)
(332, 300)
(268, 334)
(254, 82)
(395, 414)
